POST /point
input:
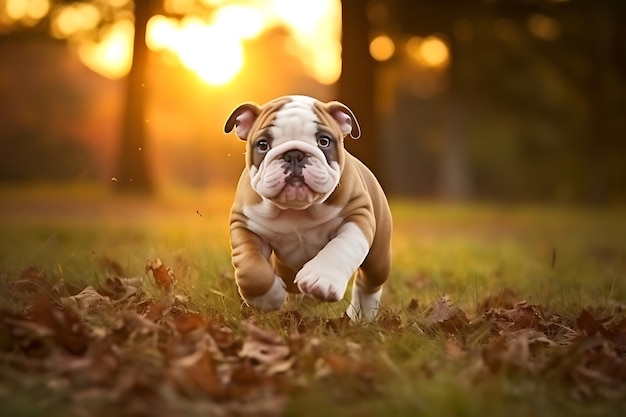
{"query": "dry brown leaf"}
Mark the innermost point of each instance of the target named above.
(122, 288)
(164, 276)
(32, 280)
(616, 333)
(189, 321)
(619, 327)
(593, 366)
(197, 373)
(67, 327)
(262, 352)
(88, 300)
(335, 364)
(505, 352)
(280, 367)
(266, 350)
(243, 376)
(442, 314)
(224, 338)
(522, 316)
(590, 325)
(261, 335)
(158, 309)
(391, 322)
(25, 328)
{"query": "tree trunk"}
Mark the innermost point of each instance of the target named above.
(455, 172)
(133, 172)
(357, 83)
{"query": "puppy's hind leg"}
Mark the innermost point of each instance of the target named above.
(368, 288)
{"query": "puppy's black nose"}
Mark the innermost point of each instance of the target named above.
(294, 156)
(295, 161)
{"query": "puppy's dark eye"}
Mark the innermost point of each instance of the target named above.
(323, 141)
(263, 146)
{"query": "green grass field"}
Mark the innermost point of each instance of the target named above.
(453, 336)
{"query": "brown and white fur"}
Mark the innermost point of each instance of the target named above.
(307, 214)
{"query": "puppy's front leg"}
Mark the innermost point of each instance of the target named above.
(326, 276)
(257, 283)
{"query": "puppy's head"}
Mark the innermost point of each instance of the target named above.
(294, 149)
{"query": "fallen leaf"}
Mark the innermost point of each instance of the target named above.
(187, 322)
(122, 288)
(390, 321)
(616, 333)
(589, 324)
(65, 324)
(261, 335)
(243, 376)
(88, 300)
(158, 309)
(224, 338)
(263, 352)
(504, 353)
(333, 364)
(32, 280)
(522, 316)
(442, 314)
(164, 277)
(197, 373)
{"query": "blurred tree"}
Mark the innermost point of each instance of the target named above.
(133, 173)
(357, 84)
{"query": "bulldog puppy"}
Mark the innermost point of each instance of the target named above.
(307, 214)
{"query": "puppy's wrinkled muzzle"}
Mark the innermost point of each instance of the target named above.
(295, 175)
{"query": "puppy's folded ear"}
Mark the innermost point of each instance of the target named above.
(345, 117)
(242, 119)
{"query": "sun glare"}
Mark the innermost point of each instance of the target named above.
(213, 48)
(203, 49)
(70, 20)
(26, 11)
(111, 56)
(239, 21)
(316, 29)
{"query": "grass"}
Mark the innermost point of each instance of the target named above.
(561, 258)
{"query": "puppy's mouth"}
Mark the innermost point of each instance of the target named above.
(295, 180)
(295, 193)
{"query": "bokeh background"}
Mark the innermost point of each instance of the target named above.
(512, 100)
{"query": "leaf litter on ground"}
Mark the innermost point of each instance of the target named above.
(116, 348)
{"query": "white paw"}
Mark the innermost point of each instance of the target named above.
(273, 299)
(322, 286)
(363, 306)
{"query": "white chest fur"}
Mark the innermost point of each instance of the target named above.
(295, 236)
